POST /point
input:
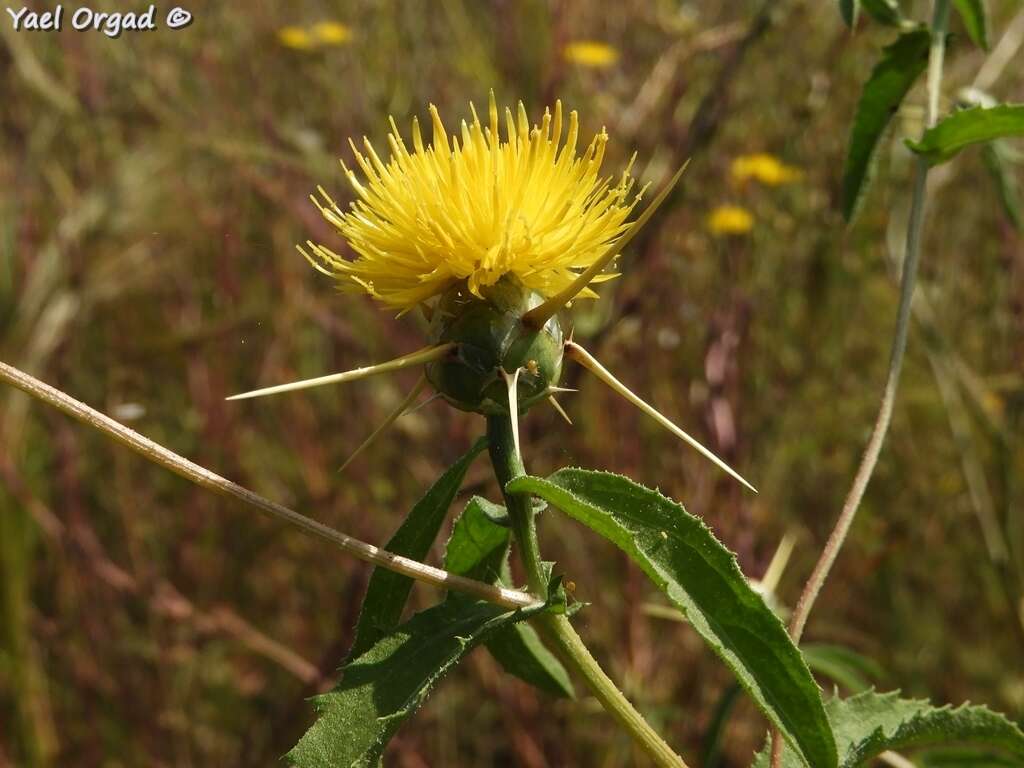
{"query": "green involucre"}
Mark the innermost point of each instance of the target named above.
(492, 338)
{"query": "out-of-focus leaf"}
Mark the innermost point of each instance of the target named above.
(385, 685)
(478, 548)
(870, 723)
(975, 20)
(701, 578)
(849, 9)
(884, 11)
(711, 756)
(966, 127)
(901, 64)
(387, 591)
(994, 155)
(960, 757)
(841, 665)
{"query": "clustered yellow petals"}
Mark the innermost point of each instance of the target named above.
(474, 208)
(331, 33)
(730, 220)
(591, 53)
(765, 168)
(296, 38)
(322, 33)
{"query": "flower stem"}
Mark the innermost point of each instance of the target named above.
(571, 648)
(936, 56)
(899, 343)
(204, 478)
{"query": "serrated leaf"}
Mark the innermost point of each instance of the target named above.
(975, 19)
(387, 592)
(701, 578)
(842, 665)
(870, 723)
(994, 156)
(901, 64)
(386, 684)
(478, 548)
(966, 127)
(848, 9)
(885, 12)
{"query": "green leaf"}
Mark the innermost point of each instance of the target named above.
(848, 9)
(958, 757)
(387, 591)
(975, 20)
(870, 723)
(884, 11)
(521, 652)
(901, 64)
(711, 754)
(701, 578)
(385, 685)
(966, 127)
(478, 548)
(841, 665)
(996, 161)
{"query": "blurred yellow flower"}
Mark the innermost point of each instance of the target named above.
(476, 209)
(331, 33)
(767, 169)
(296, 38)
(591, 53)
(730, 220)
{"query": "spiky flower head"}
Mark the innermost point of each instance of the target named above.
(476, 208)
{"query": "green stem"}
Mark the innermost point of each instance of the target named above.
(576, 655)
(940, 18)
(899, 342)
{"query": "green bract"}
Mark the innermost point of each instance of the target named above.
(491, 338)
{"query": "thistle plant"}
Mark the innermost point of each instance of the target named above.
(491, 234)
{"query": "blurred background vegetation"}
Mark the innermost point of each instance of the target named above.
(152, 188)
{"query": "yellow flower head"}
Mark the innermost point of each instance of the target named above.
(476, 209)
(765, 168)
(591, 53)
(730, 220)
(331, 33)
(296, 38)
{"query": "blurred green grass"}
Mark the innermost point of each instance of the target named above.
(153, 188)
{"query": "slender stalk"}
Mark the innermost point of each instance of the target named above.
(940, 17)
(508, 465)
(203, 477)
(936, 56)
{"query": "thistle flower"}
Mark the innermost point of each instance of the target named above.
(497, 236)
(296, 38)
(591, 53)
(331, 33)
(475, 209)
(765, 168)
(730, 220)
